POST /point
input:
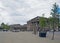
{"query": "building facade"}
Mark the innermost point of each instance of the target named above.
(18, 27)
(15, 27)
(33, 24)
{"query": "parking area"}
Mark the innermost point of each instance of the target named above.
(27, 37)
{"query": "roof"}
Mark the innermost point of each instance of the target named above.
(15, 25)
(35, 19)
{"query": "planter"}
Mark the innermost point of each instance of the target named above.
(42, 34)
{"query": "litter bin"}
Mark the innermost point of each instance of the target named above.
(42, 34)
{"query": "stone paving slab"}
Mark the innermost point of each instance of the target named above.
(26, 37)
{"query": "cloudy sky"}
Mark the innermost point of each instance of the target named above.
(20, 11)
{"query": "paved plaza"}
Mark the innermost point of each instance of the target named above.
(27, 37)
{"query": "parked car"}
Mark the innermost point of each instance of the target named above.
(52, 30)
(15, 30)
(5, 30)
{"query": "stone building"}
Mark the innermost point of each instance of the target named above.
(33, 24)
(15, 27)
(24, 27)
(18, 27)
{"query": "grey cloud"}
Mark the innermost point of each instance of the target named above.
(16, 14)
(2, 8)
(27, 10)
(13, 5)
(19, 19)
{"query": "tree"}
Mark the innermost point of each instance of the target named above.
(54, 12)
(2, 25)
(5, 26)
(50, 19)
(42, 22)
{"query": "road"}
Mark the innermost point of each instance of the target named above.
(27, 37)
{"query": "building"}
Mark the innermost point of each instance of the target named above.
(18, 27)
(15, 27)
(31, 24)
(24, 27)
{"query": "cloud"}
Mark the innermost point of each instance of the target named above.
(20, 11)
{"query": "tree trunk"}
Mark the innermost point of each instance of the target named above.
(53, 30)
(53, 35)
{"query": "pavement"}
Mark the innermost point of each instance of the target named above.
(27, 37)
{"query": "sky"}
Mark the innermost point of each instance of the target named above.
(21, 11)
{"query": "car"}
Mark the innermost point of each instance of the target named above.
(52, 30)
(15, 30)
(5, 30)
